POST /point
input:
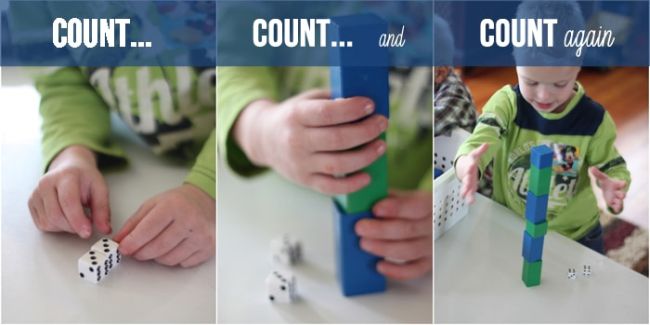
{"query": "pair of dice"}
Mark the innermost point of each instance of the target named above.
(102, 257)
(281, 284)
(586, 272)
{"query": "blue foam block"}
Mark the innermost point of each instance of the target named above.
(532, 248)
(541, 156)
(536, 207)
(437, 172)
(356, 269)
(361, 70)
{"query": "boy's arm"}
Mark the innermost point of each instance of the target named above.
(236, 88)
(603, 154)
(203, 174)
(492, 126)
(74, 113)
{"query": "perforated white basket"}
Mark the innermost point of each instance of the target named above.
(449, 207)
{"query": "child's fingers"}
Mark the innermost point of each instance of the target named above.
(337, 163)
(393, 229)
(468, 188)
(406, 271)
(146, 230)
(100, 210)
(173, 235)
(177, 255)
(133, 221)
(313, 94)
(600, 176)
(414, 206)
(196, 258)
(619, 194)
(347, 136)
(317, 113)
(331, 185)
(69, 197)
(402, 250)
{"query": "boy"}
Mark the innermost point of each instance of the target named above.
(269, 118)
(548, 106)
(172, 228)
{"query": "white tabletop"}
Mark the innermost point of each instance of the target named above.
(478, 267)
(254, 211)
(40, 283)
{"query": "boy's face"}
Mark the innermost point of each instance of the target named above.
(547, 89)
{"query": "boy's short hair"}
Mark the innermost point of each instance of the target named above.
(569, 17)
(443, 42)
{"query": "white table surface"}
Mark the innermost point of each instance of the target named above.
(40, 283)
(478, 267)
(254, 211)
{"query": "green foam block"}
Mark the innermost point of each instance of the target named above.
(536, 229)
(532, 273)
(539, 180)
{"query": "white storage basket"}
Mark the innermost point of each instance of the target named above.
(449, 207)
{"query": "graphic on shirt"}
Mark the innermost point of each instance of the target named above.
(566, 165)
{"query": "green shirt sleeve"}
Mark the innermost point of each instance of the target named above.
(236, 88)
(492, 126)
(203, 173)
(74, 114)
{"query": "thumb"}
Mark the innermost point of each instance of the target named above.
(597, 174)
(478, 152)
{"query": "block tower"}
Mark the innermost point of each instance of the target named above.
(360, 70)
(539, 181)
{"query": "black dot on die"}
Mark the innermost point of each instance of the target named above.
(94, 263)
(92, 253)
(91, 269)
(81, 275)
(106, 250)
(105, 240)
(93, 257)
(105, 245)
(283, 288)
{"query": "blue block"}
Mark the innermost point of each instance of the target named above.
(361, 70)
(532, 248)
(536, 207)
(356, 269)
(541, 156)
(437, 172)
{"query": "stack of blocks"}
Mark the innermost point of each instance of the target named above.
(359, 71)
(539, 181)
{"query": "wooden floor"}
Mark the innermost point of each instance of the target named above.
(624, 93)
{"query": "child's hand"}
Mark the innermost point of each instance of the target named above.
(71, 183)
(467, 172)
(172, 228)
(609, 192)
(401, 233)
(308, 139)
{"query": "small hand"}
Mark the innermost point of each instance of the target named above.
(467, 172)
(312, 140)
(401, 233)
(176, 227)
(608, 191)
(71, 183)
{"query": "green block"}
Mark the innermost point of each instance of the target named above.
(365, 198)
(539, 181)
(536, 229)
(532, 273)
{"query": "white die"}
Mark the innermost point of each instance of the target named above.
(586, 270)
(572, 274)
(109, 248)
(281, 287)
(286, 250)
(93, 266)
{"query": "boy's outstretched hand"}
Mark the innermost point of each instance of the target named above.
(401, 232)
(609, 192)
(176, 227)
(311, 139)
(467, 172)
(71, 183)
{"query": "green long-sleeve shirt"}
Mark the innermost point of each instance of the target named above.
(171, 108)
(410, 126)
(581, 136)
